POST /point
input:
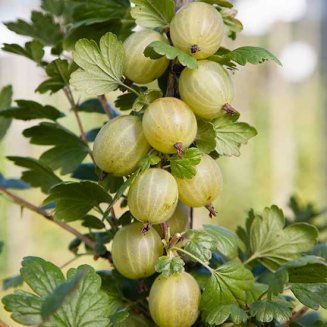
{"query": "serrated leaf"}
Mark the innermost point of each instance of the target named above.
(101, 67)
(11, 282)
(184, 167)
(119, 316)
(232, 24)
(91, 105)
(153, 13)
(59, 72)
(32, 50)
(221, 3)
(125, 101)
(74, 200)
(226, 241)
(200, 244)
(267, 311)
(29, 110)
(67, 151)
(158, 49)
(226, 292)
(311, 295)
(230, 135)
(145, 99)
(37, 174)
(55, 7)
(244, 55)
(206, 136)
(5, 101)
(169, 265)
(274, 245)
(256, 292)
(13, 183)
(42, 27)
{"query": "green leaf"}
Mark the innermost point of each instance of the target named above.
(244, 55)
(226, 241)
(90, 221)
(32, 50)
(230, 135)
(232, 24)
(5, 101)
(1, 246)
(221, 3)
(101, 67)
(145, 99)
(256, 292)
(86, 12)
(59, 296)
(25, 307)
(184, 167)
(28, 110)
(38, 173)
(158, 49)
(119, 316)
(200, 244)
(91, 106)
(267, 311)
(153, 13)
(125, 101)
(169, 265)
(74, 200)
(11, 282)
(320, 250)
(68, 150)
(205, 137)
(311, 295)
(59, 72)
(13, 183)
(273, 244)
(55, 7)
(42, 28)
(86, 171)
(226, 292)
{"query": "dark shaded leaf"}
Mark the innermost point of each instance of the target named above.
(13, 183)
(5, 101)
(90, 221)
(55, 7)
(184, 167)
(92, 134)
(86, 171)
(11, 282)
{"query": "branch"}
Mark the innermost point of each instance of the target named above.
(2, 324)
(74, 108)
(106, 107)
(23, 203)
(295, 316)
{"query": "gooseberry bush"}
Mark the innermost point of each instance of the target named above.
(155, 160)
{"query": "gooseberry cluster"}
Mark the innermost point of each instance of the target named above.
(168, 126)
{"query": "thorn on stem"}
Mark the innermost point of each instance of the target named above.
(146, 227)
(211, 209)
(229, 109)
(179, 149)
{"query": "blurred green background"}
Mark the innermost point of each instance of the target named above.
(286, 105)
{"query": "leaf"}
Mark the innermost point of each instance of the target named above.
(244, 55)
(320, 250)
(90, 221)
(256, 292)
(221, 3)
(75, 301)
(25, 307)
(5, 101)
(55, 7)
(13, 183)
(10, 282)
(158, 49)
(37, 174)
(226, 241)
(185, 167)
(274, 245)
(59, 72)
(112, 183)
(205, 137)
(169, 265)
(67, 151)
(59, 296)
(311, 295)
(28, 110)
(225, 293)
(91, 105)
(125, 101)
(86, 171)
(230, 135)
(1, 246)
(32, 50)
(74, 200)
(200, 244)
(42, 28)
(232, 24)
(86, 12)
(145, 99)
(267, 311)
(101, 67)
(153, 13)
